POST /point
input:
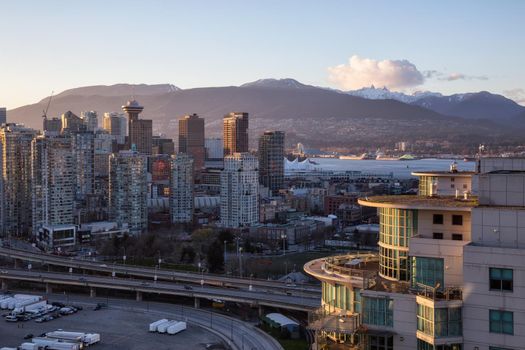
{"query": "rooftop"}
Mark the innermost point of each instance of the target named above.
(420, 202)
(446, 173)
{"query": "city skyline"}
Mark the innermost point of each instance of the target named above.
(344, 45)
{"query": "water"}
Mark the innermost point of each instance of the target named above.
(401, 169)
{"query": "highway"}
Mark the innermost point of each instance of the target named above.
(257, 296)
(163, 274)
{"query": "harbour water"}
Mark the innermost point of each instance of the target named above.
(400, 169)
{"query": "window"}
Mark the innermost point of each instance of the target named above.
(437, 235)
(465, 186)
(423, 345)
(457, 220)
(452, 179)
(379, 342)
(427, 272)
(440, 322)
(457, 237)
(501, 279)
(497, 348)
(438, 219)
(378, 311)
(452, 186)
(501, 321)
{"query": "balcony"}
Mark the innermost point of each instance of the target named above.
(333, 321)
(436, 294)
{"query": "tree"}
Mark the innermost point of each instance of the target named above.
(226, 236)
(215, 257)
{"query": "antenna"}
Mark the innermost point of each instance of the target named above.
(47, 107)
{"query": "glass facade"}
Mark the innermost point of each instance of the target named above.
(378, 311)
(440, 322)
(423, 345)
(396, 228)
(341, 297)
(378, 342)
(425, 185)
(427, 272)
(501, 279)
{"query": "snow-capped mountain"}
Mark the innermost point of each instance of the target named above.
(373, 93)
(287, 83)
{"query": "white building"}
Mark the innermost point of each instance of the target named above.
(90, 119)
(128, 190)
(53, 177)
(116, 124)
(57, 237)
(181, 188)
(449, 275)
(239, 191)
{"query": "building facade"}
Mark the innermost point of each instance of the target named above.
(53, 177)
(191, 138)
(235, 133)
(128, 190)
(116, 125)
(271, 160)
(90, 120)
(181, 188)
(3, 115)
(239, 191)
(15, 182)
(214, 148)
(72, 123)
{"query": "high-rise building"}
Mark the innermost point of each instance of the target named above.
(271, 160)
(72, 123)
(90, 119)
(3, 115)
(15, 182)
(116, 125)
(128, 190)
(449, 273)
(52, 125)
(214, 148)
(163, 145)
(181, 188)
(83, 146)
(239, 191)
(140, 131)
(53, 181)
(191, 138)
(235, 133)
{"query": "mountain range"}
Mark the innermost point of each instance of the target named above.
(316, 116)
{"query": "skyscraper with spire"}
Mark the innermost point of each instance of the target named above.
(140, 132)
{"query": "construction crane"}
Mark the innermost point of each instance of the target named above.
(44, 116)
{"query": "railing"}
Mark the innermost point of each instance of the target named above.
(326, 320)
(336, 265)
(433, 293)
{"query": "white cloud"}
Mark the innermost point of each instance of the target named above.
(360, 72)
(518, 95)
(461, 76)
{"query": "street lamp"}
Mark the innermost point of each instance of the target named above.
(240, 261)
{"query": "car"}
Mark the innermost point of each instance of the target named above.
(78, 307)
(58, 304)
(11, 318)
(28, 336)
(188, 288)
(97, 307)
(145, 284)
(40, 320)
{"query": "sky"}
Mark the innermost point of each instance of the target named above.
(444, 46)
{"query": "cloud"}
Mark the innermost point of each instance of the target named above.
(359, 72)
(518, 95)
(461, 76)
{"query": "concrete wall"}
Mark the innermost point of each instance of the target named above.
(493, 164)
(506, 189)
(498, 226)
(425, 226)
(478, 299)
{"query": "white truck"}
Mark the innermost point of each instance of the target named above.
(176, 328)
(153, 326)
(54, 344)
(28, 346)
(30, 306)
(4, 304)
(79, 337)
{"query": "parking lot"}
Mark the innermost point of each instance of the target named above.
(118, 329)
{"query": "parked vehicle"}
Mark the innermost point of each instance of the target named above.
(162, 328)
(176, 328)
(153, 326)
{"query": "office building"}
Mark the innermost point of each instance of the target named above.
(15, 182)
(53, 177)
(449, 274)
(191, 138)
(128, 190)
(116, 125)
(140, 131)
(90, 120)
(181, 188)
(235, 133)
(3, 115)
(83, 147)
(72, 123)
(271, 161)
(162, 145)
(239, 191)
(214, 149)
